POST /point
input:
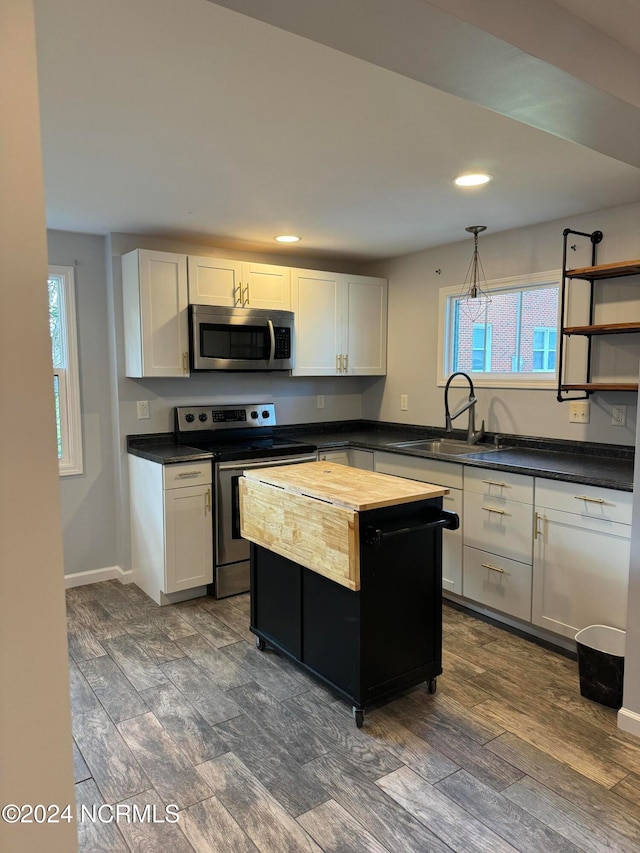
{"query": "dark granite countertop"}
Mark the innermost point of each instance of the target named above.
(587, 463)
(161, 447)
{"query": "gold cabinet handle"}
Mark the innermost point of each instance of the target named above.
(186, 474)
(208, 500)
(496, 483)
(237, 300)
(185, 362)
(346, 363)
(245, 300)
(536, 529)
(589, 500)
(493, 509)
(339, 364)
(493, 568)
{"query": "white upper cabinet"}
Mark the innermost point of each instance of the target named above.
(238, 284)
(341, 324)
(155, 304)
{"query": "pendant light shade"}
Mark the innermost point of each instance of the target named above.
(474, 299)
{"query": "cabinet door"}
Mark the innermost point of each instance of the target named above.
(364, 325)
(580, 572)
(215, 281)
(266, 286)
(188, 538)
(498, 583)
(155, 307)
(317, 305)
(452, 545)
(340, 457)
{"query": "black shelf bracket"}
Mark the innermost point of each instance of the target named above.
(595, 237)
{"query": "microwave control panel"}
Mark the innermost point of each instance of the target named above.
(282, 335)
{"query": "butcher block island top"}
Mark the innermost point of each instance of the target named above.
(308, 512)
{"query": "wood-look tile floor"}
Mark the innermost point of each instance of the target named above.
(175, 705)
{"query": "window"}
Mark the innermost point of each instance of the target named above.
(513, 344)
(66, 379)
(544, 349)
(481, 347)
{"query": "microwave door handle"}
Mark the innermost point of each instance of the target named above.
(272, 336)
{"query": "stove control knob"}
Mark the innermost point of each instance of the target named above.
(265, 413)
(254, 414)
(202, 416)
(189, 418)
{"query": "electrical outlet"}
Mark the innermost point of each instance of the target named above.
(143, 409)
(404, 402)
(579, 412)
(619, 415)
(320, 401)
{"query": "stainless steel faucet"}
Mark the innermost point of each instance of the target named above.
(472, 436)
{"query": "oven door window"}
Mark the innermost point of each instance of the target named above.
(236, 343)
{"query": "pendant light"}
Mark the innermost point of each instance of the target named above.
(474, 299)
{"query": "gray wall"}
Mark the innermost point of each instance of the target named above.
(88, 499)
(413, 328)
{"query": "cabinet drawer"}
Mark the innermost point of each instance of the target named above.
(499, 583)
(499, 484)
(587, 501)
(414, 468)
(498, 526)
(186, 474)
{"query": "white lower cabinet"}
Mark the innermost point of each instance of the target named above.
(448, 474)
(498, 525)
(171, 526)
(581, 557)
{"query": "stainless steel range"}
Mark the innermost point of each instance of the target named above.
(240, 437)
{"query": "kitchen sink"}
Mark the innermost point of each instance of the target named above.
(446, 445)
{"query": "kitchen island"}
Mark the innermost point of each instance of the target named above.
(346, 570)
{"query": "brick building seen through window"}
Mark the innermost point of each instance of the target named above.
(517, 335)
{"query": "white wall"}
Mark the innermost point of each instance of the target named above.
(88, 499)
(35, 728)
(629, 715)
(413, 328)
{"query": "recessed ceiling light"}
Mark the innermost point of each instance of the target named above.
(288, 238)
(474, 179)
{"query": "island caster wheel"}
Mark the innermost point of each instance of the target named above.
(358, 715)
(432, 685)
(260, 644)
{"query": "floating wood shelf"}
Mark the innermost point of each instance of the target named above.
(603, 329)
(602, 386)
(601, 271)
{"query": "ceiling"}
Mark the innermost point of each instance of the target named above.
(182, 118)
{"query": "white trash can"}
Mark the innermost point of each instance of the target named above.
(601, 664)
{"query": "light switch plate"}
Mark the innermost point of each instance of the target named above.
(320, 401)
(404, 402)
(579, 412)
(143, 409)
(619, 415)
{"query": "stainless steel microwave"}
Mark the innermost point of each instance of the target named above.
(240, 338)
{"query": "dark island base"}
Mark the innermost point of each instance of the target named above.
(367, 645)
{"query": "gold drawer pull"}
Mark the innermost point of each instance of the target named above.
(496, 483)
(493, 568)
(590, 500)
(184, 474)
(493, 509)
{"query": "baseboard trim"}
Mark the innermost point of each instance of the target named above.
(629, 721)
(96, 575)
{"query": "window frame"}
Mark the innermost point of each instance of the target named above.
(71, 461)
(534, 379)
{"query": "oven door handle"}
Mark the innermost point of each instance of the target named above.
(264, 463)
(272, 337)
